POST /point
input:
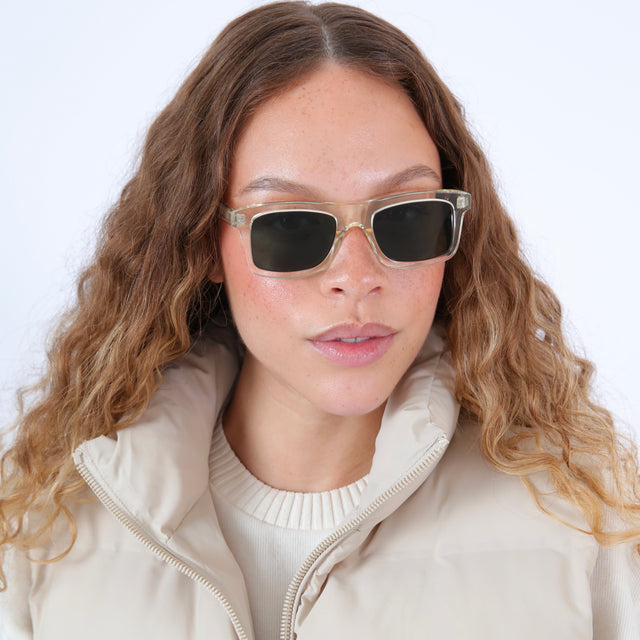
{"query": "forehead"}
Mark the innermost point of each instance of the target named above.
(339, 131)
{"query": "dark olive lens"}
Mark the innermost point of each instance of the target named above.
(291, 240)
(415, 231)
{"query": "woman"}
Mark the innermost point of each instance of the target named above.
(302, 411)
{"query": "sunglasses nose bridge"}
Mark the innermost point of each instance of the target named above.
(354, 225)
(355, 216)
(352, 214)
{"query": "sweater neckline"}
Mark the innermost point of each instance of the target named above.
(232, 481)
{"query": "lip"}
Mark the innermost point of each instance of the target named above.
(370, 342)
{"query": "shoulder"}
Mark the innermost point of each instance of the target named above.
(467, 506)
(480, 510)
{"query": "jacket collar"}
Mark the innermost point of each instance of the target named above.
(421, 410)
(157, 469)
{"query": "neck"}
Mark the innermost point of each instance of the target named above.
(294, 446)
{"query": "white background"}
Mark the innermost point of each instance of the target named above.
(551, 89)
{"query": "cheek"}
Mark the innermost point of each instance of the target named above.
(256, 299)
(419, 289)
(252, 297)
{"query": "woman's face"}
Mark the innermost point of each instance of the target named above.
(338, 136)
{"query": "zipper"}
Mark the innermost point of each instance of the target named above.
(286, 631)
(157, 549)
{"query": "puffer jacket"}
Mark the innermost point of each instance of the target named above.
(441, 546)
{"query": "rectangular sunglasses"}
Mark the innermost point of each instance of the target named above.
(295, 239)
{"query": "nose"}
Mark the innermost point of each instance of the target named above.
(355, 270)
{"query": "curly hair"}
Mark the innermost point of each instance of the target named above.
(147, 294)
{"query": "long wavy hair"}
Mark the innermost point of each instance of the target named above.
(147, 294)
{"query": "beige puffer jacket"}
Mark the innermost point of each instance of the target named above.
(442, 545)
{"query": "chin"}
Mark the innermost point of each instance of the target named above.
(348, 397)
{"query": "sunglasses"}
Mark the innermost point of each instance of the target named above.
(295, 239)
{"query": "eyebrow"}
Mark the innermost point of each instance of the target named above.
(396, 180)
(390, 183)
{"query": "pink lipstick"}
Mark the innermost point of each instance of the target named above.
(351, 345)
